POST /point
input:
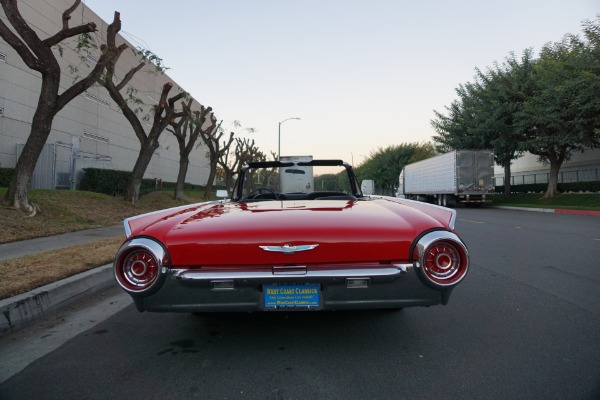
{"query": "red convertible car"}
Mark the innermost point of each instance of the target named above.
(292, 238)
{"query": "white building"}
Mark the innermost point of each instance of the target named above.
(581, 167)
(91, 131)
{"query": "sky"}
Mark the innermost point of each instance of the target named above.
(360, 75)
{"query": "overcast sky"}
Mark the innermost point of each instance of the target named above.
(360, 75)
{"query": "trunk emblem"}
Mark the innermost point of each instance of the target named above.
(289, 249)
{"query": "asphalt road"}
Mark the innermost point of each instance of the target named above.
(525, 324)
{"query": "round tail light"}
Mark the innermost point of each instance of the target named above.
(139, 270)
(139, 265)
(441, 258)
(442, 262)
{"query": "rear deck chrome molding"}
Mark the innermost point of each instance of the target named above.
(200, 275)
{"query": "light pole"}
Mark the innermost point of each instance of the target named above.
(279, 138)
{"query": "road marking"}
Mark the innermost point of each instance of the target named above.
(473, 222)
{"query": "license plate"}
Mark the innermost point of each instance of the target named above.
(292, 297)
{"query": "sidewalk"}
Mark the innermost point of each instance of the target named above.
(39, 245)
(21, 310)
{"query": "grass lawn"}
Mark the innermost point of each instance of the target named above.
(68, 211)
(574, 201)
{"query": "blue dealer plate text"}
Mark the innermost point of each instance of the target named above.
(286, 297)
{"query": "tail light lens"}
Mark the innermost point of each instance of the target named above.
(441, 258)
(139, 265)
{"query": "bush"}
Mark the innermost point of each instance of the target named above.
(107, 181)
(114, 182)
(5, 175)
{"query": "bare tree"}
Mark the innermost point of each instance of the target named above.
(196, 126)
(215, 151)
(245, 151)
(163, 114)
(38, 55)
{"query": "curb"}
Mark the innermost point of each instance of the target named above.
(24, 309)
(577, 212)
(552, 210)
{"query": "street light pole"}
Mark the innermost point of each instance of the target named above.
(279, 138)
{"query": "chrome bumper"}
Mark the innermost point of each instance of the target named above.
(387, 286)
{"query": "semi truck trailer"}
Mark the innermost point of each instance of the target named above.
(460, 176)
(296, 179)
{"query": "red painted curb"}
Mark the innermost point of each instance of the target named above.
(577, 212)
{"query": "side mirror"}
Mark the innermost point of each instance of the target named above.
(222, 194)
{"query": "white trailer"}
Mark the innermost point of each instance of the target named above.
(367, 187)
(296, 179)
(460, 176)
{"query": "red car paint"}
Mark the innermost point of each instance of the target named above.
(380, 230)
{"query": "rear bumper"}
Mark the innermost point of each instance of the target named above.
(387, 286)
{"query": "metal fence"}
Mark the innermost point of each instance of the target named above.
(568, 175)
(54, 169)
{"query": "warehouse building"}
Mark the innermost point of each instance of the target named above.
(91, 131)
(526, 170)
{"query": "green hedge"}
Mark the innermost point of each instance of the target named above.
(592, 186)
(107, 181)
(113, 182)
(5, 175)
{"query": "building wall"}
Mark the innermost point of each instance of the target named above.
(582, 167)
(529, 162)
(92, 121)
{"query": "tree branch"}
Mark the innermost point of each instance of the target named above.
(28, 42)
(20, 47)
(96, 72)
(67, 14)
(131, 72)
(69, 32)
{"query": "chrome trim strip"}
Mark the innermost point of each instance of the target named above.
(126, 226)
(199, 275)
(453, 218)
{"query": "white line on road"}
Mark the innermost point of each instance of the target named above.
(473, 222)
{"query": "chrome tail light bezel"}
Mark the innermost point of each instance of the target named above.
(440, 259)
(144, 274)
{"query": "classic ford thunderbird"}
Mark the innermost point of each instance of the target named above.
(291, 237)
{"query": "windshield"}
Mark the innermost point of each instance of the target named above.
(296, 180)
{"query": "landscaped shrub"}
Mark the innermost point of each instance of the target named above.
(107, 181)
(5, 175)
(114, 182)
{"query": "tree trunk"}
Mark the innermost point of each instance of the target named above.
(184, 162)
(17, 195)
(211, 179)
(229, 182)
(132, 193)
(553, 181)
(507, 176)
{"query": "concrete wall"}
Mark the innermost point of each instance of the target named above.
(529, 162)
(91, 120)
